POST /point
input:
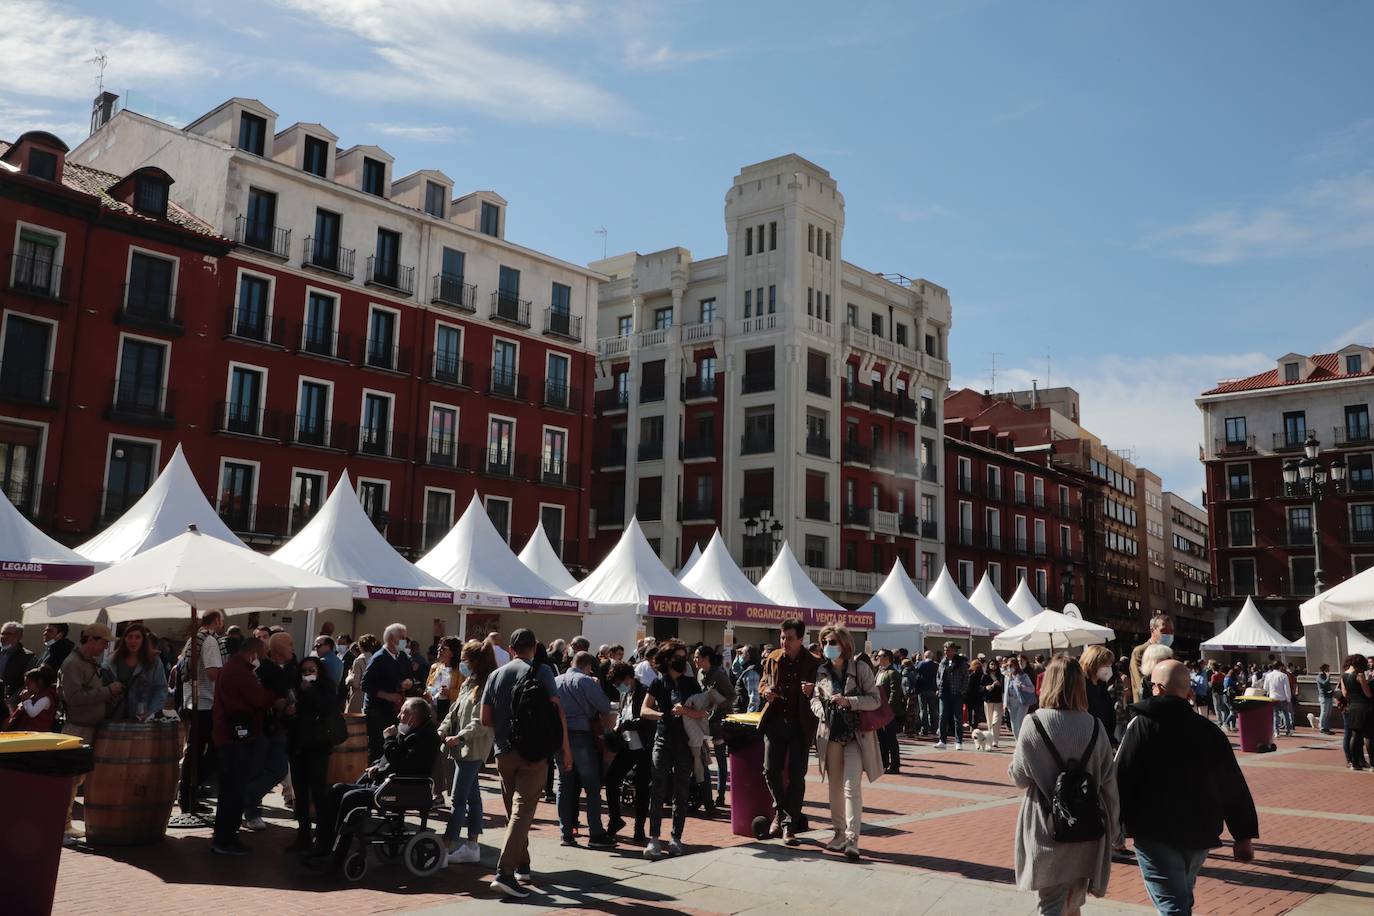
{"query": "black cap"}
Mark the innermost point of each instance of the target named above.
(522, 639)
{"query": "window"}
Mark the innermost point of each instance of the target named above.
(1242, 576)
(139, 389)
(438, 516)
(827, 307)
(1299, 525)
(316, 159)
(261, 218)
(758, 430)
(624, 326)
(436, 196)
(1290, 372)
(1353, 365)
(42, 164)
(498, 510)
(930, 345)
(500, 446)
(1019, 486)
(1362, 523)
(374, 438)
(324, 245)
(1238, 481)
(1020, 527)
(827, 246)
(374, 177)
(772, 299)
(551, 520)
(508, 286)
(1294, 428)
(663, 318)
(243, 412)
(708, 310)
(851, 315)
(504, 357)
(443, 435)
(250, 318)
(386, 268)
(448, 354)
(491, 220)
(816, 550)
(1360, 473)
(1040, 536)
(1065, 541)
(553, 459)
(1235, 431)
(131, 467)
(381, 338)
(748, 240)
(876, 325)
(810, 239)
(450, 284)
(373, 495)
(901, 330)
(149, 293)
(1357, 423)
(252, 133)
(748, 303)
(319, 325)
(35, 264)
(150, 196)
(560, 303)
(773, 236)
(1242, 528)
(312, 416)
(758, 370)
(24, 363)
(307, 493)
(236, 493)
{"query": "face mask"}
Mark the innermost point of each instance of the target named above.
(255, 663)
(832, 652)
(308, 678)
(679, 665)
(403, 728)
(1166, 639)
(464, 670)
(624, 690)
(1104, 674)
(48, 642)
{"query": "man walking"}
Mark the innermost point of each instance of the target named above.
(1279, 688)
(584, 701)
(928, 693)
(385, 682)
(951, 684)
(522, 779)
(788, 725)
(87, 698)
(200, 745)
(1161, 633)
(1326, 697)
(277, 672)
(1179, 781)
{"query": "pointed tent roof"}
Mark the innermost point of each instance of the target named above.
(342, 543)
(691, 561)
(899, 608)
(945, 595)
(1248, 632)
(630, 573)
(539, 555)
(787, 583)
(1023, 603)
(173, 501)
(1356, 643)
(716, 577)
(987, 600)
(21, 542)
(473, 558)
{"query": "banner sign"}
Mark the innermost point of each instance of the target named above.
(387, 593)
(555, 605)
(759, 615)
(55, 572)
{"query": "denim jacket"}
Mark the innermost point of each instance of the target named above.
(145, 688)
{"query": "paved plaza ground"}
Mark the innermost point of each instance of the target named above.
(937, 839)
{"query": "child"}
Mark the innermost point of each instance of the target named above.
(699, 730)
(36, 710)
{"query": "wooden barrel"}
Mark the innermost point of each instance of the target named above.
(130, 792)
(348, 760)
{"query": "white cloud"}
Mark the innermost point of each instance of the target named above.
(420, 133)
(45, 50)
(1333, 214)
(906, 213)
(17, 119)
(643, 55)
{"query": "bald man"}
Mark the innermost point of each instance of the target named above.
(1179, 782)
(271, 762)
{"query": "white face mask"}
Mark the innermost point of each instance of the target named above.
(308, 678)
(256, 662)
(403, 728)
(1104, 674)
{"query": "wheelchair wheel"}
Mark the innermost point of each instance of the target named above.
(424, 854)
(355, 866)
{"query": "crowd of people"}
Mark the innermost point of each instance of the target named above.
(645, 726)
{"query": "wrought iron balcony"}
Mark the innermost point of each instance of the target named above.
(507, 384)
(696, 388)
(136, 403)
(245, 420)
(390, 275)
(22, 382)
(34, 276)
(697, 510)
(613, 457)
(377, 354)
(818, 446)
(558, 323)
(510, 308)
(758, 381)
(450, 290)
(650, 451)
(450, 370)
(858, 515)
(756, 443)
(315, 431)
(151, 309)
(263, 237)
(334, 259)
(254, 325)
(612, 399)
(1290, 442)
(318, 342)
(818, 510)
(561, 396)
(818, 384)
(649, 510)
(651, 391)
(854, 453)
(375, 441)
(698, 448)
(1244, 445)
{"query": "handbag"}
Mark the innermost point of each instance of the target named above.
(874, 719)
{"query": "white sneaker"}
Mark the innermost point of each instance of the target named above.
(524, 877)
(958, 745)
(466, 854)
(509, 887)
(654, 850)
(255, 823)
(675, 847)
(941, 745)
(69, 840)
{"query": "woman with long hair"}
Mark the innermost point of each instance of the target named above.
(1099, 674)
(468, 742)
(441, 689)
(1061, 728)
(136, 663)
(634, 738)
(1359, 710)
(845, 686)
(368, 644)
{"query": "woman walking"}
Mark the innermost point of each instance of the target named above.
(973, 694)
(137, 664)
(994, 686)
(845, 686)
(310, 742)
(665, 703)
(888, 747)
(468, 742)
(634, 737)
(1099, 670)
(1358, 702)
(1062, 873)
(1018, 694)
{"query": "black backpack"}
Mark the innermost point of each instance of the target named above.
(1075, 808)
(536, 731)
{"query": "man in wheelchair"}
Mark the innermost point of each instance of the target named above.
(408, 754)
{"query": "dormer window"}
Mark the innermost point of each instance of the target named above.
(1290, 372)
(491, 219)
(374, 177)
(1352, 364)
(252, 133)
(436, 196)
(316, 160)
(150, 196)
(42, 164)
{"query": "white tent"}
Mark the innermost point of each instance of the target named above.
(987, 600)
(1356, 643)
(716, 577)
(341, 543)
(630, 573)
(1023, 603)
(1249, 632)
(27, 553)
(691, 561)
(787, 583)
(902, 615)
(192, 570)
(538, 554)
(1053, 631)
(173, 501)
(1353, 599)
(945, 595)
(475, 561)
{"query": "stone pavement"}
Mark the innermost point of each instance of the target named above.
(937, 839)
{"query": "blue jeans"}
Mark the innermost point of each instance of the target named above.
(1283, 717)
(951, 709)
(467, 801)
(930, 712)
(1324, 704)
(270, 766)
(585, 775)
(1170, 873)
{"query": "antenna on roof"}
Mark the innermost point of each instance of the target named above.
(994, 370)
(1049, 363)
(602, 232)
(100, 60)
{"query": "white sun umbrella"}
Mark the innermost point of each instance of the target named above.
(987, 600)
(1249, 632)
(946, 596)
(1051, 630)
(903, 616)
(1356, 643)
(691, 561)
(1023, 603)
(539, 555)
(173, 501)
(1353, 599)
(716, 577)
(27, 553)
(787, 583)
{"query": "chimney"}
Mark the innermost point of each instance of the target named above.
(102, 109)
(1035, 394)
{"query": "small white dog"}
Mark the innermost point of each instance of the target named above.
(981, 739)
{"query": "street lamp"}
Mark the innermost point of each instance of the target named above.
(1309, 477)
(1066, 581)
(765, 528)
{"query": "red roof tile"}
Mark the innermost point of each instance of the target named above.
(1326, 369)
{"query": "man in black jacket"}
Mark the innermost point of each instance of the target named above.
(56, 646)
(1179, 782)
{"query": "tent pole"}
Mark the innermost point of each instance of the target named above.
(192, 777)
(463, 624)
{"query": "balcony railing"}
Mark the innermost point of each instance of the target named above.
(857, 515)
(818, 510)
(650, 451)
(757, 381)
(375, 441)
(907, 524)
(651, 391)
(928, 419)
(317, 342)
(906, 408)
(610, 516)
(148, 308)
(854, 453)
(753, 506)
(885, 522)
(243, 420)
(612, 457)
(27, 383)
(1352, 433)
(500, 462)
(507, 384)
(1019, 497)
(557, 472)
(255, 326)
(1283, 442)
(315, 431)
(262, 237)
(377, 354)
(510, 308)
(559, 323)
(1241, 446)
(697, 388)
(450, 370)
(856, 393)
(332, 259)
(930, 529)
(883, 400)
(965, 537)
(649, 510)
(37, 277)
(561, 396)
(756, 443)
(818, 446)
(1362, 535)
(444, 451)
(1020, 545)
(610, 399)
(700, 447)
(906, 464)
(1299, 537)
(696, 333)
(142, 404)
(450, 290)
(697, 510)
(883, 460)
(963, 484)
(390, 275)
(930, 472)
(818, 384)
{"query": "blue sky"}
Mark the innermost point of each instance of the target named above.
(1135, 199)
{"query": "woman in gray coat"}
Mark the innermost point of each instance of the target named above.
(845, 686)
(1062, 873)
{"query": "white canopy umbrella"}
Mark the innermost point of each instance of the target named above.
(691, 561)
(1051, 630)
(946, 596)
(630, 573)
(27, 553)
(903, 615)
(1023, 603)
(539, 555)
(716, 577)
(1356, 643)
(342, 543)
(1249, 632)
(1353, 599)
(787, 583)
(987, 600)
(173, 501)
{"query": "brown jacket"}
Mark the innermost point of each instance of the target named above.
(85, 695)
(809, 665)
